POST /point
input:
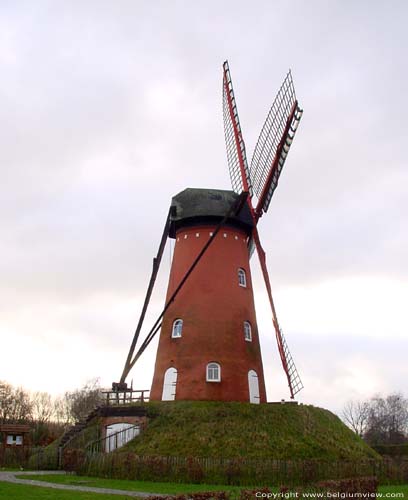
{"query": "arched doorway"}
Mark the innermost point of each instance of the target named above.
(117, 435)
(253, 385)
(169, 384)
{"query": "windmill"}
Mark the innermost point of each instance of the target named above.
(209, 346)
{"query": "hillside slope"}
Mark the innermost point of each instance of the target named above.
(215, 429)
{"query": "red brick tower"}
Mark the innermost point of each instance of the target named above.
(209, 345)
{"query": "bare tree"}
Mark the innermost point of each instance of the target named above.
(82, 401)
(387, 420)
(44, 427)
(42, 407)
(62, 410)
(398, 414)
(355, 415)
(15, 404)
(47, 416)
(22, 407)
(6, 398)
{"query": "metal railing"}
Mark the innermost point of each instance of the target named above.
(113, 441)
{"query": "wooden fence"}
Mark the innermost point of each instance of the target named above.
(245, 472)
(14, 456)
(241, 472)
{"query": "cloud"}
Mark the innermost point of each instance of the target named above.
(109, 110)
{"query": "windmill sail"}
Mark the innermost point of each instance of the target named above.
(289, 367)
(236, 153)
(274, 143)
(294, 381)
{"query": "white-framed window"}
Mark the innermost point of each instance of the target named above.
(242, 277)
(177, 328)
(247, 331)
(14, 440)
(213, 372)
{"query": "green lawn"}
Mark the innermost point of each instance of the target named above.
(10, 491)
(399, 488)
(169, 488)
(122, 484)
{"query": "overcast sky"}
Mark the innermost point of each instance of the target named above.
(108, 109)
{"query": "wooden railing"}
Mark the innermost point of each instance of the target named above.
(125, 397)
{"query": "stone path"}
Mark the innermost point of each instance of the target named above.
(12, 477)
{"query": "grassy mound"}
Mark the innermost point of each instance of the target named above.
(215, 429)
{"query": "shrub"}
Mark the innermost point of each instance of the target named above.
(43, 458)
(73, 460)
(205, 495)
(347, 488)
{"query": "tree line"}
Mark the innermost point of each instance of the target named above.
(379, 420)
(48, 416)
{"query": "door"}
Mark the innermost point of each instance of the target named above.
(169, 385)
(253, 385)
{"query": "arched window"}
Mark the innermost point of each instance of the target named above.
(242, 277)
(247, 331)
(213, 372)
(177, 329)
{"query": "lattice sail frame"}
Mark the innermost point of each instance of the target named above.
(274, 143)
(268, 159)
(294, 380)
(234, 142)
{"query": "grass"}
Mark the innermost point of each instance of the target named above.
(400, 488)
(217, 429)
(123, 484)
(145, 486)
(10, 491)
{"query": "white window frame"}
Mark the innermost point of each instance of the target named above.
(210, 375)
(177, 329)
(247, 331)
(14, 439)
(242, 281)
